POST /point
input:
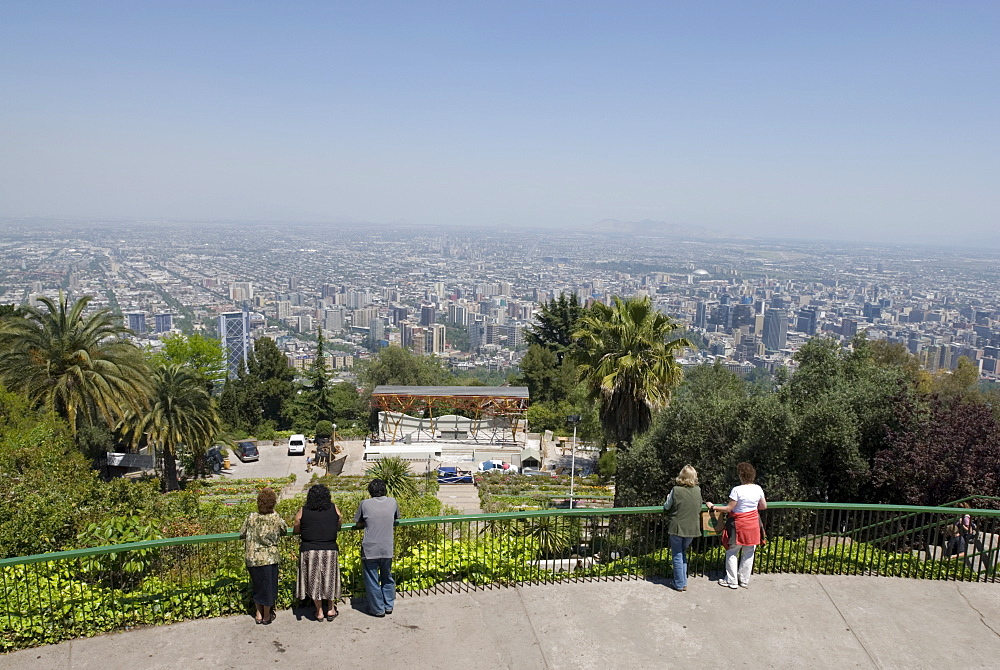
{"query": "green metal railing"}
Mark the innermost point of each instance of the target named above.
(51, 597)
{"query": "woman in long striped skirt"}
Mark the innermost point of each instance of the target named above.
(319, 569)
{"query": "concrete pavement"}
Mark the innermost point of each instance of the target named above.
(782, 621)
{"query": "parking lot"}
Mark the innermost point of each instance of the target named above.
(274, 462)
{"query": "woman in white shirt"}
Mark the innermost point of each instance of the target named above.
(745, 501)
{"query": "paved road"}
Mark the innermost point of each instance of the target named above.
(463, 496)
(274, 462)
(782, 621)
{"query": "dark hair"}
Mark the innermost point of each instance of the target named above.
(746, 473)
(376, 488)
(266, 500)
(318, 498)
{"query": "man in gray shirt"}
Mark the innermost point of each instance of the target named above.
(377, 516)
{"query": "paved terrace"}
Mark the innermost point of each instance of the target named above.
(782, 621)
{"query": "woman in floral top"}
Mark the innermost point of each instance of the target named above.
(262, 531)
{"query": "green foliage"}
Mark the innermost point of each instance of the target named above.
(556, 323)
(257, 396)
(607, 465)
(180, 413)
(76, 365)
(627, 363)
(52, 601)
(401, 367)
(203, 355)
(547, 379)
(324, 429)
(396, 474)
(50, 492)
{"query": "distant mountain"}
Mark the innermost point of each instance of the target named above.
(648, 228)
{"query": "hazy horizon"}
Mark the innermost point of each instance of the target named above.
(859, 121)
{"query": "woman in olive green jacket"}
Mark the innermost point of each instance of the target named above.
(684, 506)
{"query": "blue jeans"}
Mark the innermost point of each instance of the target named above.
(380, 587)
(678, 547)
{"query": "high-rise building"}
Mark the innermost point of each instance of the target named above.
(437, 334)
(399, 314)
(305, 323)
(333, 319)
(775, 329)
(405, 333)
(137, 322)
(234, 332)
(376, 329)
(164, 322)
(241, 291)
(418, 340)
(427, 315)
(358, 299)
(458, 315)
(807, 321)
(701, 315)
(284, 308)
(362, 318)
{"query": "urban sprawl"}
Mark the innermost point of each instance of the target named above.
(467, 296)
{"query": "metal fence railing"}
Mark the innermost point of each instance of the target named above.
(51, 597)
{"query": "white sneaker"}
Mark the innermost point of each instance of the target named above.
(723, 582)
(744, 585)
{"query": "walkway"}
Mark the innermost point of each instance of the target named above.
(784, 621)
(463, 496)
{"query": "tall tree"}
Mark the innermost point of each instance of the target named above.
(557, 320)
(628, 364)
(201, 354)
(78, 365)
(181, 413)
(313, 400)
(257, 396)
(401, 367)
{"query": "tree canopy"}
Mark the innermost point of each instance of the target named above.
(627, 362)
(76, 364)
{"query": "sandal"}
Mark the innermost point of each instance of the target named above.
(331, 617)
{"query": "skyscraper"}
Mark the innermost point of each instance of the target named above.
(164, 322)
(234, 332)
(427, 315)
(437, 333)
(808, 320)
(240, 291)
(775, 329)
(701, 315)
(137, 322)
(376, 329)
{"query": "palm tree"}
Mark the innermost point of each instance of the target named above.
(628, 364)
(181, 412)
(395, 472)
(77, 365)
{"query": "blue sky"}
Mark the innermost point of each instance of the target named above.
(867, 120)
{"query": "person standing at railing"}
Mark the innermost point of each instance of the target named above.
(377, 515)
(319, 568)
(684, 507)
(262, 531)
(966, 526)
(741, 538)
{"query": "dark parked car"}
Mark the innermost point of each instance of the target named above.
(246, 451)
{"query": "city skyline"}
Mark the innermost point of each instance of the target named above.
(858, 122)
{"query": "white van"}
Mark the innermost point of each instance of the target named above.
(297, 445)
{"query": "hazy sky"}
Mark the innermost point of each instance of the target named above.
(867, 120)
